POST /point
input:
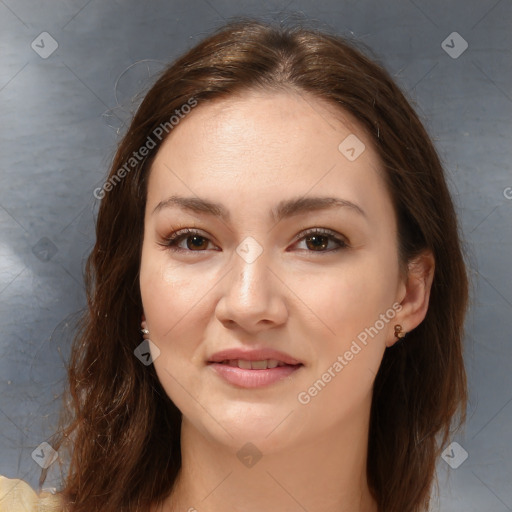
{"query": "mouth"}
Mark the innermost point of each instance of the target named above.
(245, 364)
(242, 373)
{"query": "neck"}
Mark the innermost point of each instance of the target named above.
(326, 473)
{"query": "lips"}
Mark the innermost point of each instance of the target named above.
(254, 365)
(256, 368)
(256, 359)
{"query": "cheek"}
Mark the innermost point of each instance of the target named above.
(352, 296)
(351, 343)
(169, 296)
(172, 306)
(354, 303)
(177, 305)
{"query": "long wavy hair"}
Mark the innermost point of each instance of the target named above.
(119, 429)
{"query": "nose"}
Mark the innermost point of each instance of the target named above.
(253, 297)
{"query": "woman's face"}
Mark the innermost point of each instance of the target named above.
(271, 265)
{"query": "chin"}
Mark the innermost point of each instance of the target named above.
(267, 426)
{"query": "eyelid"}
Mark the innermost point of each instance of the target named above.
(177, 235)
(340, 239)
(183, 233)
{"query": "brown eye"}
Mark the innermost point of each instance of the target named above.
(195, 242)
(315, 242)
(318, 240)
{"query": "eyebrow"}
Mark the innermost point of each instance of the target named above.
(285, 209)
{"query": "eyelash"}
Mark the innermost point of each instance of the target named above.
(172, 240)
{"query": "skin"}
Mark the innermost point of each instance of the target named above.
(249, 152)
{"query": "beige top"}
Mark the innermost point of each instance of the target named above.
(16, 495)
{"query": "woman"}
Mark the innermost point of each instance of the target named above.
(277, 223)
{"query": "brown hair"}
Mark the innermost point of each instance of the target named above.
(123, 429)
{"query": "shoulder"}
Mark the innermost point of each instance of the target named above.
(16, 495)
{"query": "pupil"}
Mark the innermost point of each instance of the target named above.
(195, 239)
(318, 238)
(319, 241)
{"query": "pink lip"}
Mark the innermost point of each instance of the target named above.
(252, 355)
(253, 378)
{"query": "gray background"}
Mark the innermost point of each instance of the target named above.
(60, 118)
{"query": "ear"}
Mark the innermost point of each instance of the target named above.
(414, 293)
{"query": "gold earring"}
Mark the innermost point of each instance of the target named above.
(398, 331)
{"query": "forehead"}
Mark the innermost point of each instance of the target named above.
(262, 121)
(263, 144)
